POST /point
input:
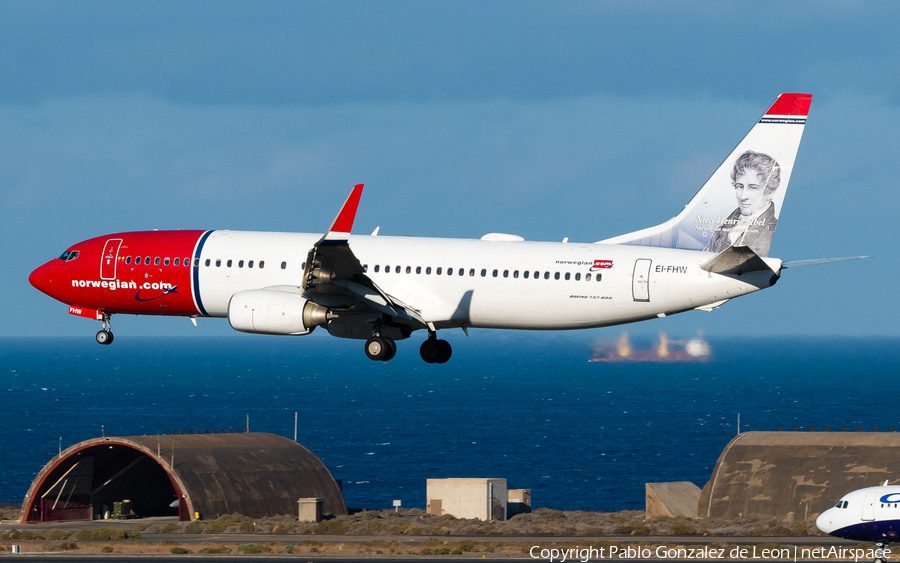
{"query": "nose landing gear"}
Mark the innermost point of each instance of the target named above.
(105, 336)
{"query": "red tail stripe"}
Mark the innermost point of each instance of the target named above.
(791, 104)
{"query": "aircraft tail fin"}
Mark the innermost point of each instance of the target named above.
(740, 203)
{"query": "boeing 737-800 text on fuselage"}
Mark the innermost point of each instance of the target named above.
(382, 289)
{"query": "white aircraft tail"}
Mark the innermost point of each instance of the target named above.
(740, 203)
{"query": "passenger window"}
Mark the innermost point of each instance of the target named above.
(438, 271)
(377, 267)
(428, 270)
(471, 272)
(284, 265)
(365, 268)
(598, 277)
(128, 259)
(546, 275)
(197, 263)
(218, 262)
(250, 264)
(577, 277)
(409, 269)
(147, 260)
(228, 264)
(494, 273)
(587, 277)
(187, 262)
(303, 266)
(568, 275)
(525, 274)
(156, 262)
(166, 261)
(207, 262)
(176, 262)
(556, 276)
(505, 273)
(240, 263)
(396, 269)
(262, 264)
(537, 275)
(449, 271)
(418, 269)
(516, 274)
(483, 272)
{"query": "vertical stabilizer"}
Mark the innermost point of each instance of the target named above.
(740, 203)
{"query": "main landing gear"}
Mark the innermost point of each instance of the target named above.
(381, 348)
(105, 336)
(435, 351)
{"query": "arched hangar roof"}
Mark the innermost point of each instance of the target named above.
(794, 476)
(255, 474)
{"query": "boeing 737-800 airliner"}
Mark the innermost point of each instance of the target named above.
(381, 289)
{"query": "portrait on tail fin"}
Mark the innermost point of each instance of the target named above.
(755, 178)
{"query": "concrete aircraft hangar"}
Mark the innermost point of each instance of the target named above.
(205, 475)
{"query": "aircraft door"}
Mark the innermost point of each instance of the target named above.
(109, 258)
(868, 507)
(640, 285)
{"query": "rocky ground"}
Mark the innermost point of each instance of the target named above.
(279, 534)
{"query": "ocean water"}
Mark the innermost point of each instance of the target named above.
(531, 408)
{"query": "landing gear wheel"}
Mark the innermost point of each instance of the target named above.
(392, 348)
(104, 337)
(445, 351)
(380, 349)
(429, 351)
(435, 351)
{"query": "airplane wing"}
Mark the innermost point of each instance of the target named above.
(335, 276)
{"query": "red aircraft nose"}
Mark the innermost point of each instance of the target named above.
(40, 278)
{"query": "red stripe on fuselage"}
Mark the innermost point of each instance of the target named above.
(154, 288)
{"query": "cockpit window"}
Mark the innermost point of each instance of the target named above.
(69, 255)
(838, 505)
(845, 504)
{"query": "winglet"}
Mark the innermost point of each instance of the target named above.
(343, 223)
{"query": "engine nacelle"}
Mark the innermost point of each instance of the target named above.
(269, 311)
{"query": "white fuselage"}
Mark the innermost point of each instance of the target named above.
(870, 514)
(493, 284)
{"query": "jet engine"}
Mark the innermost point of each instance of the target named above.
(270, 311)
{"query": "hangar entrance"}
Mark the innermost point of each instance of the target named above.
(86, 484)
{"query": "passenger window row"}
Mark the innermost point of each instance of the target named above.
(526, 274)
(240, 263)
(147, 260)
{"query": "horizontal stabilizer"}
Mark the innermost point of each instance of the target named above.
(736, 260)
(801, 263)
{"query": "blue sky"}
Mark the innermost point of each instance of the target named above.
(544, 119)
